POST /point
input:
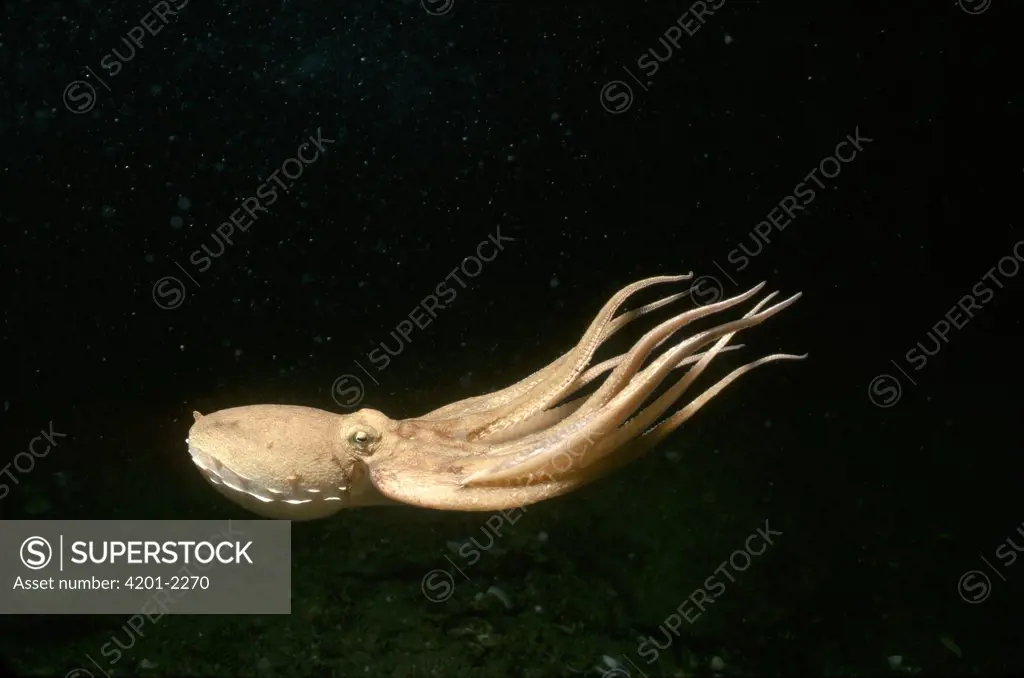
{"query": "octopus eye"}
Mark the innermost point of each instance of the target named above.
(360, 438)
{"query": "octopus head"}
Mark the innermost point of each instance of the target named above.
(284, 461)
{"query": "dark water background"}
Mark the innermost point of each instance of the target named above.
(888, 460)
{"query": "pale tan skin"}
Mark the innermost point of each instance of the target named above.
(497, 451)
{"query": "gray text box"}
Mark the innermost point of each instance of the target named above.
(145, 566)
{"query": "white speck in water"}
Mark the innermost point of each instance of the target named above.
(554, 283)
(500, 595)
(728, 39)
(184, 203)
(177, 222)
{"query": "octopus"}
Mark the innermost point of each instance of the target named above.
(536, 439)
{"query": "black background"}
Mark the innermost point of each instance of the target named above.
(450, 127)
